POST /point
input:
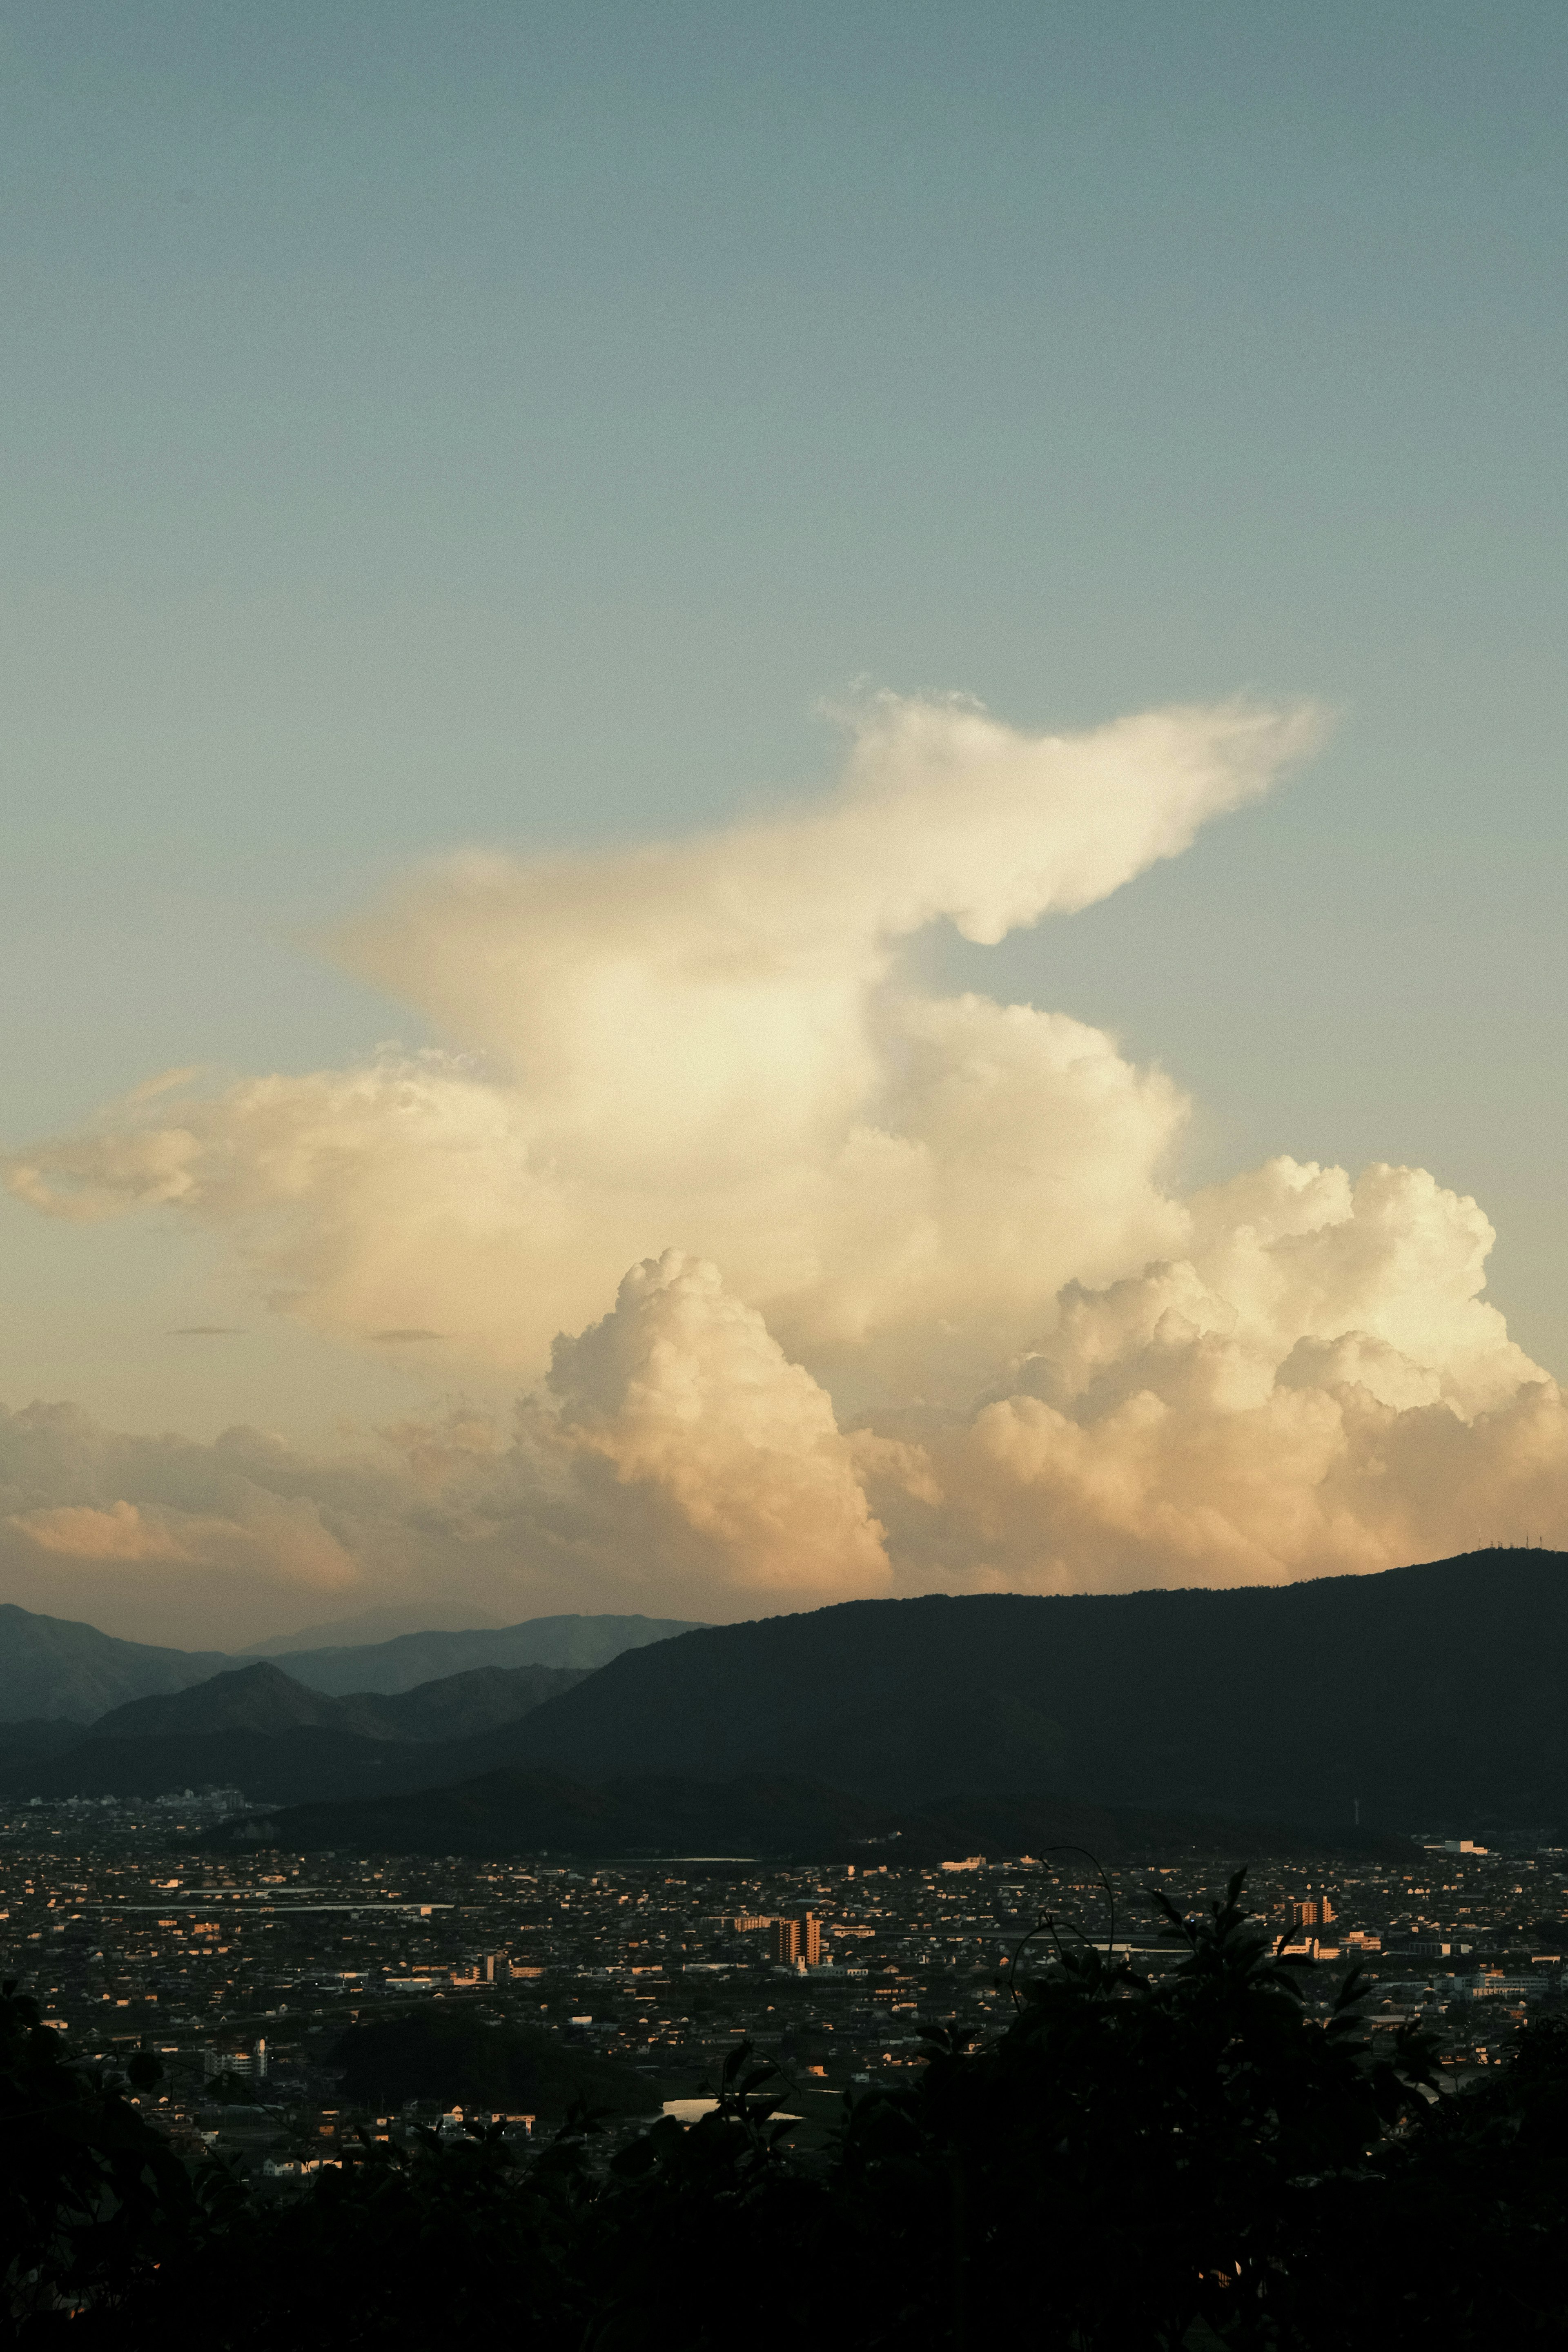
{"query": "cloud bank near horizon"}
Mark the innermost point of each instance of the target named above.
(709, 1061)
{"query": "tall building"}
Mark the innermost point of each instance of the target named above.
(1315, 1912)
(797, 1942)
(249, 2064)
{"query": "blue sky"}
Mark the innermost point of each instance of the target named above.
(506, 424)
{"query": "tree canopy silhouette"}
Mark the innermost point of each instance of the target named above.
(1159, 2163)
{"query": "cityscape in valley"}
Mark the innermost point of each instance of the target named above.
(784, 1312)
(256, 1974)
(179, 1925)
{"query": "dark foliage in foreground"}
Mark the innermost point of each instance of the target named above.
(449, 2053)
(90, 2197)
(1134, 2167)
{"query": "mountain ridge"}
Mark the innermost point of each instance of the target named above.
(254, 1728)
(263, 1697)
(1423, 1693)
(61, 1666)
(405, 1660)
(1426, 1698)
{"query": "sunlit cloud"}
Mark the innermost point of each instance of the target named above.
(911, 1301)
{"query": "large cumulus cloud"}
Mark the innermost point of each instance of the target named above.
(910, 1300)
(713, 1045)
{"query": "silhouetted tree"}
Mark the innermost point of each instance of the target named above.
(1158, 2163)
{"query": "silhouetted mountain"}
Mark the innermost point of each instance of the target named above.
(264, 1698)
(360, 1631)
(246, 1698)
(773, 1817)
(53, 1666)
(1433, 1694)
(410, 1658)
(37, 1736)
(256, 1729)
(482, 1700)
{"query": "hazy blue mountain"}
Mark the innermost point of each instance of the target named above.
(483, 1700)
(264, 1698)
(53, 1666)
(411, 1658)
(358, 1632)
(1435, 1695)
(245, 1698)
(254, 1728)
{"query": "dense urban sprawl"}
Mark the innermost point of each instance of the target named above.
(242, 1972)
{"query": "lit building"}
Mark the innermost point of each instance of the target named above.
(250, 2064)
(798, 1942)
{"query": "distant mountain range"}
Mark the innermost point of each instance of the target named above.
(256, 1729)
(1426, 1698)
(52, 1666)
(424, 1770)
(411, 1658)
(265, 1699)
(1433, 1696)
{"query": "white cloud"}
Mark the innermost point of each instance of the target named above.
(1316, 1389)
(684, 1394)
(710, 1045)
(710, 1054)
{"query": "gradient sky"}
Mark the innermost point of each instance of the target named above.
(430, 424)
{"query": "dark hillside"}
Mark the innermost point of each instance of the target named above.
(265, 1698)
(803, 1821)
(246, 1698)
(579, 1643)
(54, 1666)
(256, 1729)
(458, 1707)
(269, 1769)
(1435, 1695)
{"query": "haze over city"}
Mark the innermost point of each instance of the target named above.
(786, 816)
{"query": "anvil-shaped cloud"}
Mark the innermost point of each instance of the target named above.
(706, 1060)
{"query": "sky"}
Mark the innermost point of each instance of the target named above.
(566, 571)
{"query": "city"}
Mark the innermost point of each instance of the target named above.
(241, 1973)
